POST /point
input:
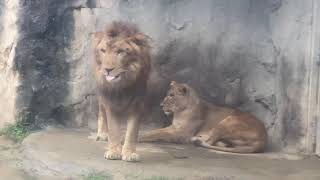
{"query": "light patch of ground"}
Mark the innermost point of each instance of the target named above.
(68, 154)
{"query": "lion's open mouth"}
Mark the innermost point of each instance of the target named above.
(110, 78)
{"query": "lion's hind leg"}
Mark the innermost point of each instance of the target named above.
(232, 142)
(102, 134)
(211, 138)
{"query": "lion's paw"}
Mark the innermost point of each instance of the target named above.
(102, 137)
(130, 157)
(112, 155)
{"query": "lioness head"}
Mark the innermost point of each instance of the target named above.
(122, 55)
(179, 98)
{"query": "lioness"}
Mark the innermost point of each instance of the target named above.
(207, 125)
(122, 66)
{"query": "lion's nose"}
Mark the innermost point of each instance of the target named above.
(108, 70)
(161, 104)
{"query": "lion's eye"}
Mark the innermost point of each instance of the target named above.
(120, 51)
(103, 50)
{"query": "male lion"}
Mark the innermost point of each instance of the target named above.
(122, 66)
(207, 125)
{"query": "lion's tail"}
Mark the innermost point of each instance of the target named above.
(239, 149)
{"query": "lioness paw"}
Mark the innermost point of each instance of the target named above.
(196, 140)
(112, 155)
(130, 157)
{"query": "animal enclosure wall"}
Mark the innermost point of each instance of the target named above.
(257, 55)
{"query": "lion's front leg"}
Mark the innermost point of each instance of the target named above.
(102, 134)
(114, 138)
(129, 147)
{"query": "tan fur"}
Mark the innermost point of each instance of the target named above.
(102, 134)
(122, 66)
(207, 125)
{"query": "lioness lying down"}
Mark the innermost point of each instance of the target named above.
(207, 125)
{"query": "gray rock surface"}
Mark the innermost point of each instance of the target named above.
(8, 77)
(254, 55)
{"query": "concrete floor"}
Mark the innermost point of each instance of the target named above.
(70, 154)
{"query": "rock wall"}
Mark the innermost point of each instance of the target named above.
(8, 77)
(47, 84)
(250, 54)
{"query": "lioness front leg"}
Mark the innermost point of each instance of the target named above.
(114, 138)
(168, 134)
(102, 134)
(129, 147)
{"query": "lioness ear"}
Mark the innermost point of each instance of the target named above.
(184, 90)
(173, 83)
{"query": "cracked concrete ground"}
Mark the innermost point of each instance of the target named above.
(11, 165)
(69, 154)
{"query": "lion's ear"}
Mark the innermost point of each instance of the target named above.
(98, 36)
(173, 83)
(140, 39)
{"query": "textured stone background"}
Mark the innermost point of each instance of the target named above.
(251, 54)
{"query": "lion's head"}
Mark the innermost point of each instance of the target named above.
(179, 98)
(122, 56)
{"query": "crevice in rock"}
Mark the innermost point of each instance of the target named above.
(275, 5)
(86, 97)
(268, 103)
(179, 27)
